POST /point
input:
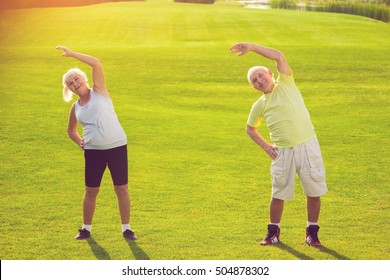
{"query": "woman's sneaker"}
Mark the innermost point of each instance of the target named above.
(83, 234)
(312, 236)
(272, 235)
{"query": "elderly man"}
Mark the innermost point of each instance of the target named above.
(294, 148)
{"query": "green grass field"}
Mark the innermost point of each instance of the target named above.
(200, 188)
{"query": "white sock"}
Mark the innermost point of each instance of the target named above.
(311, 224)
(125, 227)
(276, 224)
(87, 227)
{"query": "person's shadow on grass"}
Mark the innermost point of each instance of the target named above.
(333, 253)
(99, 252)
(292, 251)
(138, 253)
(302, 256)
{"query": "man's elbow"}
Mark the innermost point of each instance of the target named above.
(249, 130)
(280, 57)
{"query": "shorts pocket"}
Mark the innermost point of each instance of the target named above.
(278, 171)
(316, 163)
(279, 176)
(317, 174)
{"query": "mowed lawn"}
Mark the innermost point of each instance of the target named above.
(200, 188)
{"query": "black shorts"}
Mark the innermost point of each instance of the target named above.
(96, 162)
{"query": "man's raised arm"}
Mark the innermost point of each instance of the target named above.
(278, 56)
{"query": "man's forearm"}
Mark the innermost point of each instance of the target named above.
(257, 138)
(266, 52)
(272, 54)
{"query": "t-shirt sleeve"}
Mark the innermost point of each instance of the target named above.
(254, 118)
(286, 79)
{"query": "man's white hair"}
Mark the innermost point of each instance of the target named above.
(253, 70)
(67, 93)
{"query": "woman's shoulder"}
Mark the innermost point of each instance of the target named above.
(73, 107)
(101, 92)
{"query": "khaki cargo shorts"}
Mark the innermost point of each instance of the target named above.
(306, 160)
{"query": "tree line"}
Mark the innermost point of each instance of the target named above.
(376, 9)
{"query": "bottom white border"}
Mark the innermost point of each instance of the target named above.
(205, 270)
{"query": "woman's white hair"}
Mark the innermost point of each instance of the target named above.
(253, 70)
(67, 93)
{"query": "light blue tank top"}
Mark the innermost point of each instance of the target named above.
(101, 127)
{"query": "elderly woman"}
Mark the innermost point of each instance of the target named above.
(104, 142)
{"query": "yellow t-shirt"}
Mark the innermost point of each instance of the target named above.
(285, 114)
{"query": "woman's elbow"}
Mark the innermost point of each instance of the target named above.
(70, 132)
(97, 63)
